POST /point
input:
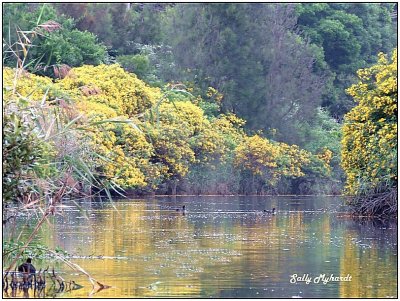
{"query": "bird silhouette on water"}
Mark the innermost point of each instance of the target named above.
(273, 211)
(27, 267)
(181, 210)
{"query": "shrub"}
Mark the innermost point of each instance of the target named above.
(369, 144)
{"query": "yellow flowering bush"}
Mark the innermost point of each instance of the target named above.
(143, 138)
(124, 150)
(218, 138)
(104, 93)
(291, 160)
(110, 85)
(181, 136)
(26, 85)
(214, 94)
(325, 155)
(270, 161)
(230, 128)
(208, 145)
(259, 156)
(369, 144)
(128, 153)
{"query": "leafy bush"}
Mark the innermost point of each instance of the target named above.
(23, 151)
(137, 63)
(71, 47)
(54, 37)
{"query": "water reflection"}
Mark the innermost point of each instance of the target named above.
(224, 247)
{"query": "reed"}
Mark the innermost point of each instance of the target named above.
(46, 151)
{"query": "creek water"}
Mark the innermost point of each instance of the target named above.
(219, 247)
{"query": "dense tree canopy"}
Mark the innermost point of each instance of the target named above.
(249, 75)
(350, 35)
(244, 50)
(268, 79)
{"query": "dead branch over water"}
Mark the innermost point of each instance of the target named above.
(379, 204)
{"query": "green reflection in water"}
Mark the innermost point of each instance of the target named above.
(224, 247)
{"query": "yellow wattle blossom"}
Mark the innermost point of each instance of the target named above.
(369, 144)
(108, 92)
(24, 84)
(272, 161)
(143, 138)
(110, 85)
(259, 156)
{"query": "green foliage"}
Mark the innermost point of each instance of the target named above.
(54, 38)
(321, 135)
(143, 65)
(221, 178)
(323, 132)
(71, 47)
(122, 26)
(350, 34)
(138, 64)
(270, 77)
(35, 250)
(23, 151)
(24, 16)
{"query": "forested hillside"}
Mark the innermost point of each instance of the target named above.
(175, 150)
(271, 62)
(250, 81)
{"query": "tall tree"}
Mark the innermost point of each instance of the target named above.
(350, 35)
(294, 88)
(253, 55)
(118, 25)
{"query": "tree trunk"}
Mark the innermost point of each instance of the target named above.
(174, 184)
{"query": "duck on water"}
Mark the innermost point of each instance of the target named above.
(273, 211)
(181, 209)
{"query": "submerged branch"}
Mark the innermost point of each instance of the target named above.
(381, 204)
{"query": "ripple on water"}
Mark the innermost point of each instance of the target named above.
(219, 245)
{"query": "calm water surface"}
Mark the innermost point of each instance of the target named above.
(221, 247)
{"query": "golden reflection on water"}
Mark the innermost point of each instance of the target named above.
(142, 251)
(369, 267)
